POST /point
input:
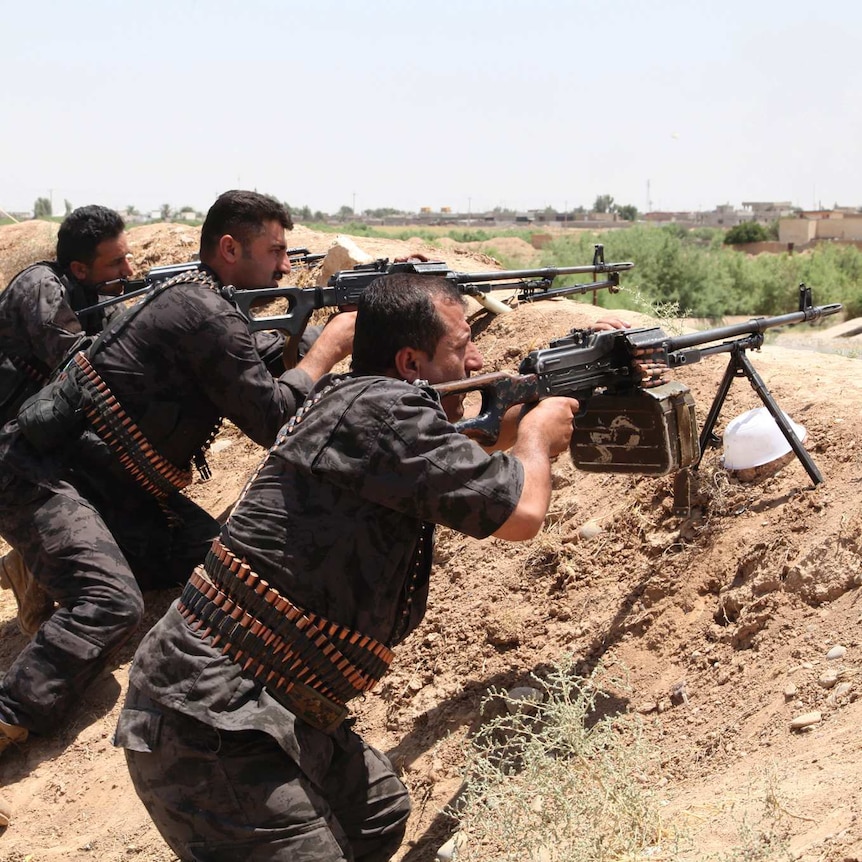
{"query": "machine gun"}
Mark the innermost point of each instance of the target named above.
(344, 288)
(631, 423)
(133, 287)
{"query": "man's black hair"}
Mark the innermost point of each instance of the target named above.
(82, 231)
(242, 215)
(398, 311)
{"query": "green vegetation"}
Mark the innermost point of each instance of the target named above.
(708, 279)
(428, 233)
(748, 231)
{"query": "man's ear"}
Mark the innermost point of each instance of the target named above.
(79, 270)
(229, 249)
(407, 363)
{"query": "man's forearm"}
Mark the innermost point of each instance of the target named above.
(529, 515)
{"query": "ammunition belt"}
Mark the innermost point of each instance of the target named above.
(310, 665)
(27, 369)
(147, 467)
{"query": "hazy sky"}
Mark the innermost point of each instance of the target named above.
(461, 103)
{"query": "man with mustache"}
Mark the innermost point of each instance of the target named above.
(234, 725)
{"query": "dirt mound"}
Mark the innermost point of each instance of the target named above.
(735, 607)
(512, 248)
(160, 244)
(25, 243)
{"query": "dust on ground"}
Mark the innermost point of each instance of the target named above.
(738, 603)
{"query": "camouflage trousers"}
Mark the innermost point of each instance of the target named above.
(228, 796)
(93, 559)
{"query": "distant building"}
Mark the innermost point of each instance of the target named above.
(767, 212)
(724, 216)
(686, 219)
(841, 224)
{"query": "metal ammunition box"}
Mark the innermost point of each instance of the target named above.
(651, 431)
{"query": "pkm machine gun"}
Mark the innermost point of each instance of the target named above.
(345, 287)
(629, 422)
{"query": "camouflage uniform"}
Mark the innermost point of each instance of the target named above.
(38, 326)
(339, 519)
(92, 536)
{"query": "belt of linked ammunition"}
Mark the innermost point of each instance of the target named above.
(28, 370)
(310, 665)
(110, 421)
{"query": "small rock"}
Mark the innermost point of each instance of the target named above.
(836, 652)
(646, 708)
(679, 693)
(828, 678)
(664, 705)
(805, 720)
(842, 690)
(589, 530)
(790, 691)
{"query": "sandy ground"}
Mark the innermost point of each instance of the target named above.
(739, 604)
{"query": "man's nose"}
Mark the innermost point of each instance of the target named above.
(473, 360)
(285, 267)
(126, 268)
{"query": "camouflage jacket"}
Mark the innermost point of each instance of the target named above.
(38, 326)
(334, 520)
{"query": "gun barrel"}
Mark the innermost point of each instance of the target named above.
(756, 324)
(115, 300)
(549, 273)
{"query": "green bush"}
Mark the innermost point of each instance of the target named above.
(747, 231)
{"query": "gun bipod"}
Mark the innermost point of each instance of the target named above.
(739, 365)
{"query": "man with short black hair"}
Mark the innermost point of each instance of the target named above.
(234, 721)
(38, 323)
(38, 327)
(91, 471)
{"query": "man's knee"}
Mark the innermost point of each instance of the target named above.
(127, 612)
